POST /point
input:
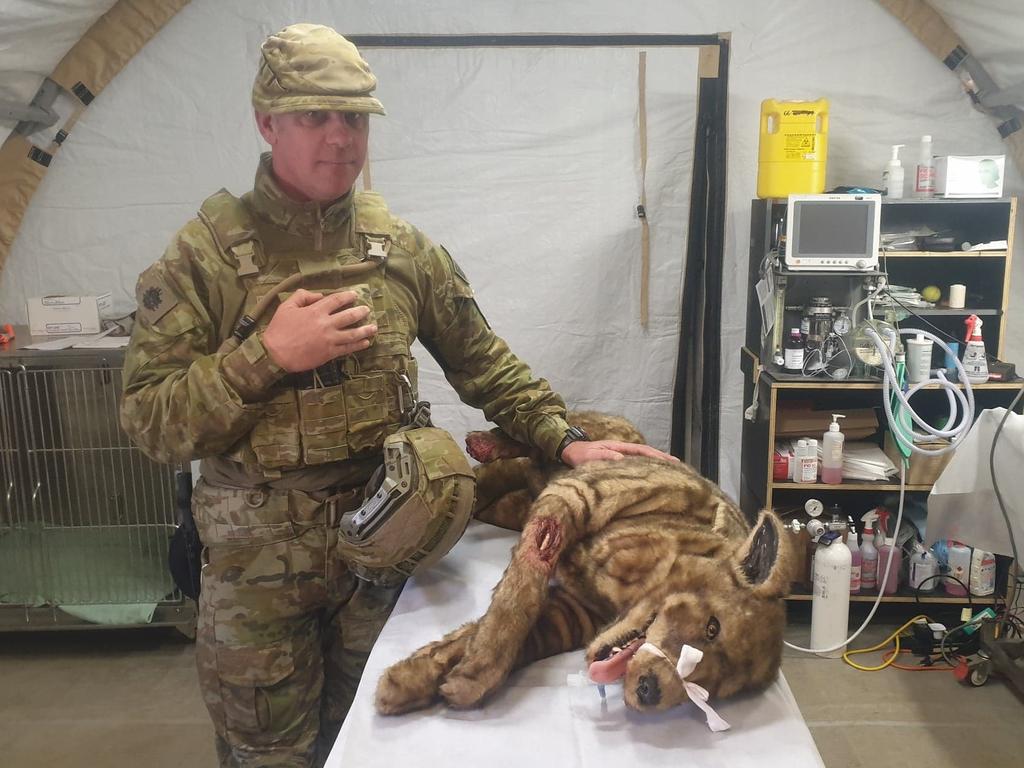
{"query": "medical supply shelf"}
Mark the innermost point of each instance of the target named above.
(986, 274)
(759, 491)
(85, 517)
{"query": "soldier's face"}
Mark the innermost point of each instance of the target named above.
(317, 155)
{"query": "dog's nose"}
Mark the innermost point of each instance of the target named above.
(648, 692)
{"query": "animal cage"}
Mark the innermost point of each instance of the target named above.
(86, 518)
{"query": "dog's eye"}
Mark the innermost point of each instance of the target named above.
(712, 629)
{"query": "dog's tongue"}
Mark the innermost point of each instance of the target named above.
(614, 667)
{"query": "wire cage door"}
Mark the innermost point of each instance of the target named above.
(86, 517)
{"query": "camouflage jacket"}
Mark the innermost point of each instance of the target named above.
(186, 398)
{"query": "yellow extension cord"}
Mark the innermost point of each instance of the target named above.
(893, 638)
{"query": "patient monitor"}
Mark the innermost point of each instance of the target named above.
(837, 233)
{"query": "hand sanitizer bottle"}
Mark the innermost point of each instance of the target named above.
(832, 452)
(892, 176)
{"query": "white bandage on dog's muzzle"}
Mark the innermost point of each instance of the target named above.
(689, 658)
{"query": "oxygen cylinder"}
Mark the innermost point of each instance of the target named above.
(830, 603)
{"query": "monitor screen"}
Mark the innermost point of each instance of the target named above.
(829, 228)
(832, 231)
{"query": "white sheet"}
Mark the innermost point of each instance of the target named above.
(962, 504)
(538, 715)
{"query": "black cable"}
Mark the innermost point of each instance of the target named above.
(967, 589)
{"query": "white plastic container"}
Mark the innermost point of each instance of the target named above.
(832, 452)
(809, 463)
(959, 560)
(892, 175)
(919, 359)
(923, 567)
(830, 603)
(983, 573)
(796, 474)
(924, 182)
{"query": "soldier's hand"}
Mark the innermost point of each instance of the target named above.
(582, 451)
(309, 329)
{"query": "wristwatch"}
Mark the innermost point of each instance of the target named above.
(572, 434)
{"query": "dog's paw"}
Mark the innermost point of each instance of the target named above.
(408, 685)
(463, 691)
(492, 445)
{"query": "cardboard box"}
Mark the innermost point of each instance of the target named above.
(798, 418)
(969, 175)
(923, 470)
(66, 315)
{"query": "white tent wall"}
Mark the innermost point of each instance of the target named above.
(174, 126)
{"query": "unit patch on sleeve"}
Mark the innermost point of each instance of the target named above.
(153, 295)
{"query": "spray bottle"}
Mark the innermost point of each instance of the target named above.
(888, 578)
(892, 176)
(923, 566)
(975, 363)
(868, 552)
(832, 452)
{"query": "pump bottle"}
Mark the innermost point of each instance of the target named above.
(832, 452)
(975, 363)
(924, 183)
(892, 176)
(868, 553)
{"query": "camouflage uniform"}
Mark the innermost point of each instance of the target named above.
(285, 625)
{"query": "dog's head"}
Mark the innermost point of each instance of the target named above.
(730, 608)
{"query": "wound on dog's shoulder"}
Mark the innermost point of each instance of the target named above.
(543, 541)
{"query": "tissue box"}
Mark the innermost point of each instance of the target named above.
(969, 175)
(66, 315)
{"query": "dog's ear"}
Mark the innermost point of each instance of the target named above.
(763, 563)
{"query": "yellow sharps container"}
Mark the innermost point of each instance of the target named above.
(793, 148)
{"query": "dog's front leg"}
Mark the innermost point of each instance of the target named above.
(413, 683)
(517, 603)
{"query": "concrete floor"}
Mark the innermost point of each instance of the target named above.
(120, 698)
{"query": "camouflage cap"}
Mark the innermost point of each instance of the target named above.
(310, 66)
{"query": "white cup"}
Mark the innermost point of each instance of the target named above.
(957, 296)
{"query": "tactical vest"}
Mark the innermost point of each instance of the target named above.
(344, 409)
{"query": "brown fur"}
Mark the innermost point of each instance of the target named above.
(512, 474)
(612, 551)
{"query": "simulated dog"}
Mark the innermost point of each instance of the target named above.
(631, 560)
(511, 475)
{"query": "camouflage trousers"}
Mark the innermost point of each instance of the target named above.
(285, 628)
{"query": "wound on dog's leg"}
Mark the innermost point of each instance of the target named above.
(542, 540)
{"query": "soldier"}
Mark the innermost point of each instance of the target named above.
(288, 393)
